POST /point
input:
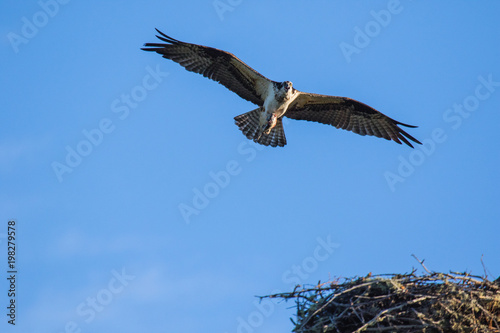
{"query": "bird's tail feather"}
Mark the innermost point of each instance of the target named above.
(248, 123)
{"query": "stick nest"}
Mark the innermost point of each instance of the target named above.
(434, 302)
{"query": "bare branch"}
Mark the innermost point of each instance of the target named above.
(421, 263)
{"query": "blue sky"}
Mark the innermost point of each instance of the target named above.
(102, 145)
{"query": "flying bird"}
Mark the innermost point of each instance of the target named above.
(274, 99)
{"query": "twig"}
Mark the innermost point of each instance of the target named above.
(376, 318)
(407, 328)
(421, 263)
(487, 313)
(331, 300)
(400, 303)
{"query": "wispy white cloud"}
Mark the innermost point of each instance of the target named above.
(78, 243)
(13, 152)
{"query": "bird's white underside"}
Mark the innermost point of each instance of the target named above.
(272, 106)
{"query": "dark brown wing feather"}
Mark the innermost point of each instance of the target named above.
(218, 65)
(348, 114)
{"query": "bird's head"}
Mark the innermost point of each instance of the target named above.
(285, 89)
(288, 87)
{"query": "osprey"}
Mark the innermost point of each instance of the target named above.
(277, 99)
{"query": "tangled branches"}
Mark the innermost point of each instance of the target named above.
(434, 302)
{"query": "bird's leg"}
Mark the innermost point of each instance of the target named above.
(271, 122)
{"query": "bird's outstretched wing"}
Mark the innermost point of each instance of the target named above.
(348, 114)
(215, 64)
